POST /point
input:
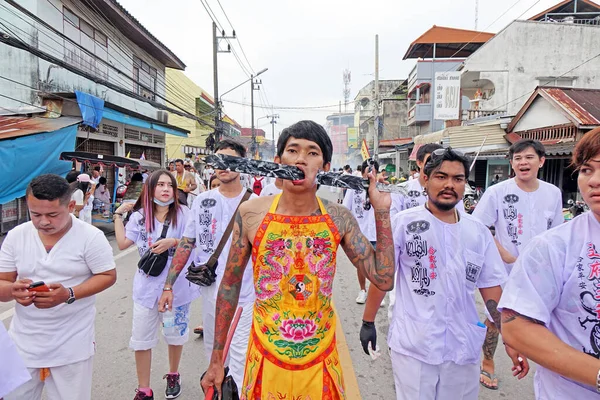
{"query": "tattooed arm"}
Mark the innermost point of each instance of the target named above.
(229, 292)
(180, 259)
(491, 297)
(378, 266)
(531, 337)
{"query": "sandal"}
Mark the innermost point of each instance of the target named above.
(492, 377)
(199, 331)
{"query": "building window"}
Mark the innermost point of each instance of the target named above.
(145, 78)
(86, 28)
(558, 82)
(101, 38)
(70, 17)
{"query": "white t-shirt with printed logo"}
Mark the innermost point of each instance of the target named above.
(415, 197)
(555, 280)
(148, 289)
(438, 268)
(211, 213)
(355, 202)
(519, 216)
(63, 334)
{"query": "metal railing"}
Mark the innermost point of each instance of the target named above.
(468, 115)
(557, 132)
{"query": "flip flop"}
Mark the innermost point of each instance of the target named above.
(199, 331)
(492, 378)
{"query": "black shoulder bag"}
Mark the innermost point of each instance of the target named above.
(151, 263)
(205, 275)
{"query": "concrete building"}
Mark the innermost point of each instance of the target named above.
(50, 49)
(502, 74)
(440, 49)
(193, 99)
(340, 127)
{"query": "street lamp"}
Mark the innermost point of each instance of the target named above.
(219, 102)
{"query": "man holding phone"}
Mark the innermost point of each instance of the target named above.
(52, 267)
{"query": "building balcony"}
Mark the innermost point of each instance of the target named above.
(420, 112)
(468, 115)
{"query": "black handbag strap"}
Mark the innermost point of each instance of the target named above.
(166, 224)
(212, 261)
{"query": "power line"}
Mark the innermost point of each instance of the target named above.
(290, 107)
(23, 102)
(121, 73)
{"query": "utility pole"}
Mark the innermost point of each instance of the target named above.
(376, 102)
(273, 122)
(253, 88)
(216, 39)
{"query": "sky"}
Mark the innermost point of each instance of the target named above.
(306, 45)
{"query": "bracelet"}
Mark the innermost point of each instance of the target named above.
(598, 382)
(167, 289)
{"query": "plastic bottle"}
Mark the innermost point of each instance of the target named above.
(168, 323)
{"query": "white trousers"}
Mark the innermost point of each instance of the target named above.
(67, 382)
(236, 359)
(416, 380)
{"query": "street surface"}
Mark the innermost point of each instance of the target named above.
(114, 369)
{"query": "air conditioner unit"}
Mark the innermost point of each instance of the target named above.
(162, 116)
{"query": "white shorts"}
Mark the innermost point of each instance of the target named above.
(147, 322)
(417, 380)
(236, 359)
(67, 382)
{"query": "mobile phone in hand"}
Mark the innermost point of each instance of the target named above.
(38, 287)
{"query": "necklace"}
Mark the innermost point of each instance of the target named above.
(456, 219)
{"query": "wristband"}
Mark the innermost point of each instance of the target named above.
(598, 382)
(167, 289)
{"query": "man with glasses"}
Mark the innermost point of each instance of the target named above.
(520, 209)
(441, 258)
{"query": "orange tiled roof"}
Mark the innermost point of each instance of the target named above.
(450, 36)
(557, 8)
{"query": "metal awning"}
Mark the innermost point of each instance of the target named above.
(109, 161)
(14, 126)
(560, 150)
(495, 154)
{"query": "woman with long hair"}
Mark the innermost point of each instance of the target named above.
(156, 206)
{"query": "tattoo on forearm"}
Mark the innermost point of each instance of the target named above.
(378, 266)
(510, 315)
(181, 257)
(229, 291)
(492, 307)
(490, 343)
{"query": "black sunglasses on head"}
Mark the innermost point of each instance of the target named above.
(440, 153)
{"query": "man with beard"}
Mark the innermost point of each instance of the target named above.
(211, 213)
(441, 258)
(520, 209)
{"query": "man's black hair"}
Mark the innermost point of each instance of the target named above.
(102, 180)
(427, 149)
(229, 143)
(359, 167)
(524, 144)
(366, 165)
(97, 168)
(137, 177)
(434, 162)
(308, 130)
(50, 187)
(72, 176)
(179, 160)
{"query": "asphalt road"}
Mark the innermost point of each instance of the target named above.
(114, 370)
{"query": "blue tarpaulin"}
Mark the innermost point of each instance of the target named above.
(117, 116)
(25, 157)
(91, 108)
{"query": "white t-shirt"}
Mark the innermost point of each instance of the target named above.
(439, 266)
(12, 369)
(357, 173)
(211, 213)
(519, 216)
(415, 197)
(207, 173)
(78, 197)
(148, 289)
(270, 190)
(555, 280)
(355, 202)
(64, 334)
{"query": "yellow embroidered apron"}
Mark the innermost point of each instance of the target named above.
(292, 351)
